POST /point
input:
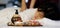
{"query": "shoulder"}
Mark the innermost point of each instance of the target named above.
(31, 10)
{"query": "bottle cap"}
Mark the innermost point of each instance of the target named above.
(16, 11)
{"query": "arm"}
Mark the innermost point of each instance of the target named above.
(23, 7)
(32, 3)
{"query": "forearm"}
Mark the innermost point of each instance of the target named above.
(23, 7)
(32, 3)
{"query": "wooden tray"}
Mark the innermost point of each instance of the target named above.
(25, 25)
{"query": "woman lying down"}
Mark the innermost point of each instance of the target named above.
(39, 17)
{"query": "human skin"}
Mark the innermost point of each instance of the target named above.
(32, 3)
(38, 15)
(23, 7)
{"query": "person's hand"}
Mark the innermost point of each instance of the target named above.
(21, 10)
(23, 6)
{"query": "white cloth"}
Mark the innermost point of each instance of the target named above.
(27, 14)
(46, 21)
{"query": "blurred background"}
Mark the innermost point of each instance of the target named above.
(52, 7)
(10, 3)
